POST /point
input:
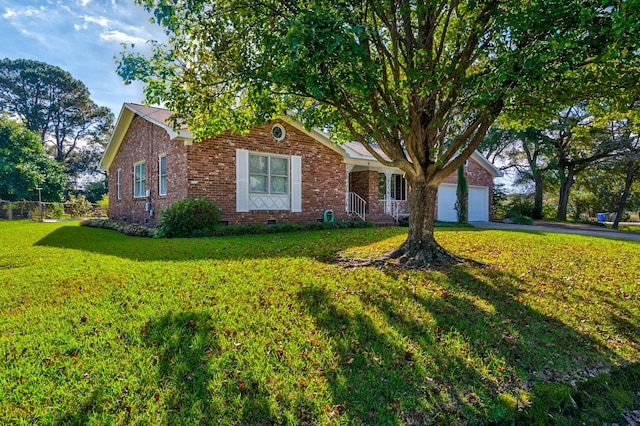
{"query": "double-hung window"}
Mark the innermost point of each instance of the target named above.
(162, 174)
(268, 174)
(139, 180)
(118, 184)
(268, 182)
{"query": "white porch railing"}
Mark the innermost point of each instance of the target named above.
(357, 205)
(396, 208)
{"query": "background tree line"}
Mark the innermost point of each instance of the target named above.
(576, 160)
(46, 101)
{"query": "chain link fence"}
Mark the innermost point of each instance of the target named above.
(38, 211)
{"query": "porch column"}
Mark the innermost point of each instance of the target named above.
(346, 196)
(387, 196)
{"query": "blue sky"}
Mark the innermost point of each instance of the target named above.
(81, 37)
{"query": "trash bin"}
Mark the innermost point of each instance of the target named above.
(601, 217)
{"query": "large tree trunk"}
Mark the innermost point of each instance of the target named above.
(421, 249)
(625, 194)
(537, 196)
(565, 188)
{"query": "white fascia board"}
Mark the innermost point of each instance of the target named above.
(122, 125)
(182, 134)
(357, 156)
(481, 159)
(127, 113)
(318, 135)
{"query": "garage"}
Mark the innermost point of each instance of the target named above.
(447, 203)
(478, 203)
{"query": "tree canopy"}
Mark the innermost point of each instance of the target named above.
(24, 166)
(525, 151)
(56, 106)
(422, 79)
(575, 145)
(621, 121)
(592, 144)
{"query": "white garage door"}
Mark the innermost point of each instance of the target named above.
(446, 203)
(478, 204)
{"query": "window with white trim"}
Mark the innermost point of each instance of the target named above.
(139, 180)
(162, 174)
(268, 182)
(268, 174)
(118, 184)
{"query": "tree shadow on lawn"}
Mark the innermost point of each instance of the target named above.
(188, 360)
(181, 344)
(521, 333)
(324, 246)
(470, 353)
(82, 413)
(458, 353)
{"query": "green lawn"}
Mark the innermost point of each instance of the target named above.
(97, 327)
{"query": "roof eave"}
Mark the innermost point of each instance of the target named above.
(127, 113)
(122, 124)
(482, 160)
(317, 135)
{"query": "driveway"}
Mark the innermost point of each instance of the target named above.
(563, 228)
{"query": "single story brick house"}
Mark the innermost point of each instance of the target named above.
(278, 172)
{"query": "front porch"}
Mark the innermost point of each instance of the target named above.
(377, 195)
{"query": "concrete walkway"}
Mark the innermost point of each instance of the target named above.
(563, 228)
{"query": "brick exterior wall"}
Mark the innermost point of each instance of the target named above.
(145, 141)
(212, 174)
(476, 175)
(208, 169)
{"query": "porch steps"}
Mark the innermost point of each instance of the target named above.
(357, 205)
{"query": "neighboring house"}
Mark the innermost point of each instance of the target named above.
(278, 172)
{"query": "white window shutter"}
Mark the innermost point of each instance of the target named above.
(296, 183)
(242, 180)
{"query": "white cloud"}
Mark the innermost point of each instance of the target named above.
(31, 11)
(80, 36)
(109, 24)
(67, 9)
(10, 13)
(121, 37)
(28, 11)
(99, 20)
(113, 30)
